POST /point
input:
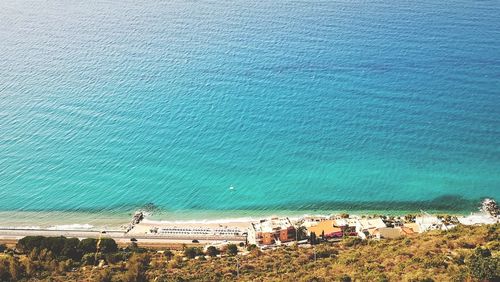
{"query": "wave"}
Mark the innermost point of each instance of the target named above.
(71, 227)
(21, 227)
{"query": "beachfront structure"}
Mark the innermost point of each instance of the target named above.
(346, 221)
(413, 226)
(271, 231)
(392, 233)
(348, 226)
(351, 221)
(365, 227)
(334, 227)
(427, 222)
(309, 221)
(199, 231)
(327, 228)
(478, 219)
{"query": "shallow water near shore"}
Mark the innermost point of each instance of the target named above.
(117, 219)
(235, 109)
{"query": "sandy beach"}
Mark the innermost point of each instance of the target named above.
(141, 232)
(144, 226)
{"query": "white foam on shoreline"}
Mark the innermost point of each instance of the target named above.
(226, 220)
(52, 227)
(20, 227)
(200, 221)
(158, 220)
(71, 227)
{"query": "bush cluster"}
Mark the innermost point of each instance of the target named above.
(467, 253)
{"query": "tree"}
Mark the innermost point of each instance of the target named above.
(312, 238)
(192, 252)
(70, 249)
(28, 243)
(133, 244)
(108, 245)
(88, 245)
(251, 247)
(212, 251)
(301, 233)
(232, 249)
(54, 244)
(60, 247)
(88, 259)
(345, 278)
(168, 254)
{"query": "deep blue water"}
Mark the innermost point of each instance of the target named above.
(302, 105)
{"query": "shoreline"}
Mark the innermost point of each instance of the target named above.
(87, 220)
(159, 231)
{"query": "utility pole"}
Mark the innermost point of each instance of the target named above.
(297, 226)
(98, 246)
(296, 233)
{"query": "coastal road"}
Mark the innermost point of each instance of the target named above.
(9, 235)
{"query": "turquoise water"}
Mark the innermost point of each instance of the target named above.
(298, 105)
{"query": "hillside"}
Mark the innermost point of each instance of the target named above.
(462, 254)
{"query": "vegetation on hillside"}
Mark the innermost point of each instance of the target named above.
(462, 254)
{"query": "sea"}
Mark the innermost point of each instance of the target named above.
(226, 109)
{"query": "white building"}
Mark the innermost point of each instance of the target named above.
(271, 231)
(365, 227)
(309, 221)
(342, 222)
(428, 222)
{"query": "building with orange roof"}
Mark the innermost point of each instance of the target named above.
(413, 226)
(392, 233)
(326, 227)
(407, 231)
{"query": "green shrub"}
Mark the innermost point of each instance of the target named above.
(232, 249)
(345, 278)
(212, 251)
(325, 252)
(108, 245)
(192, 252)
(483, 266)
(88, 259)
(88, 245)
